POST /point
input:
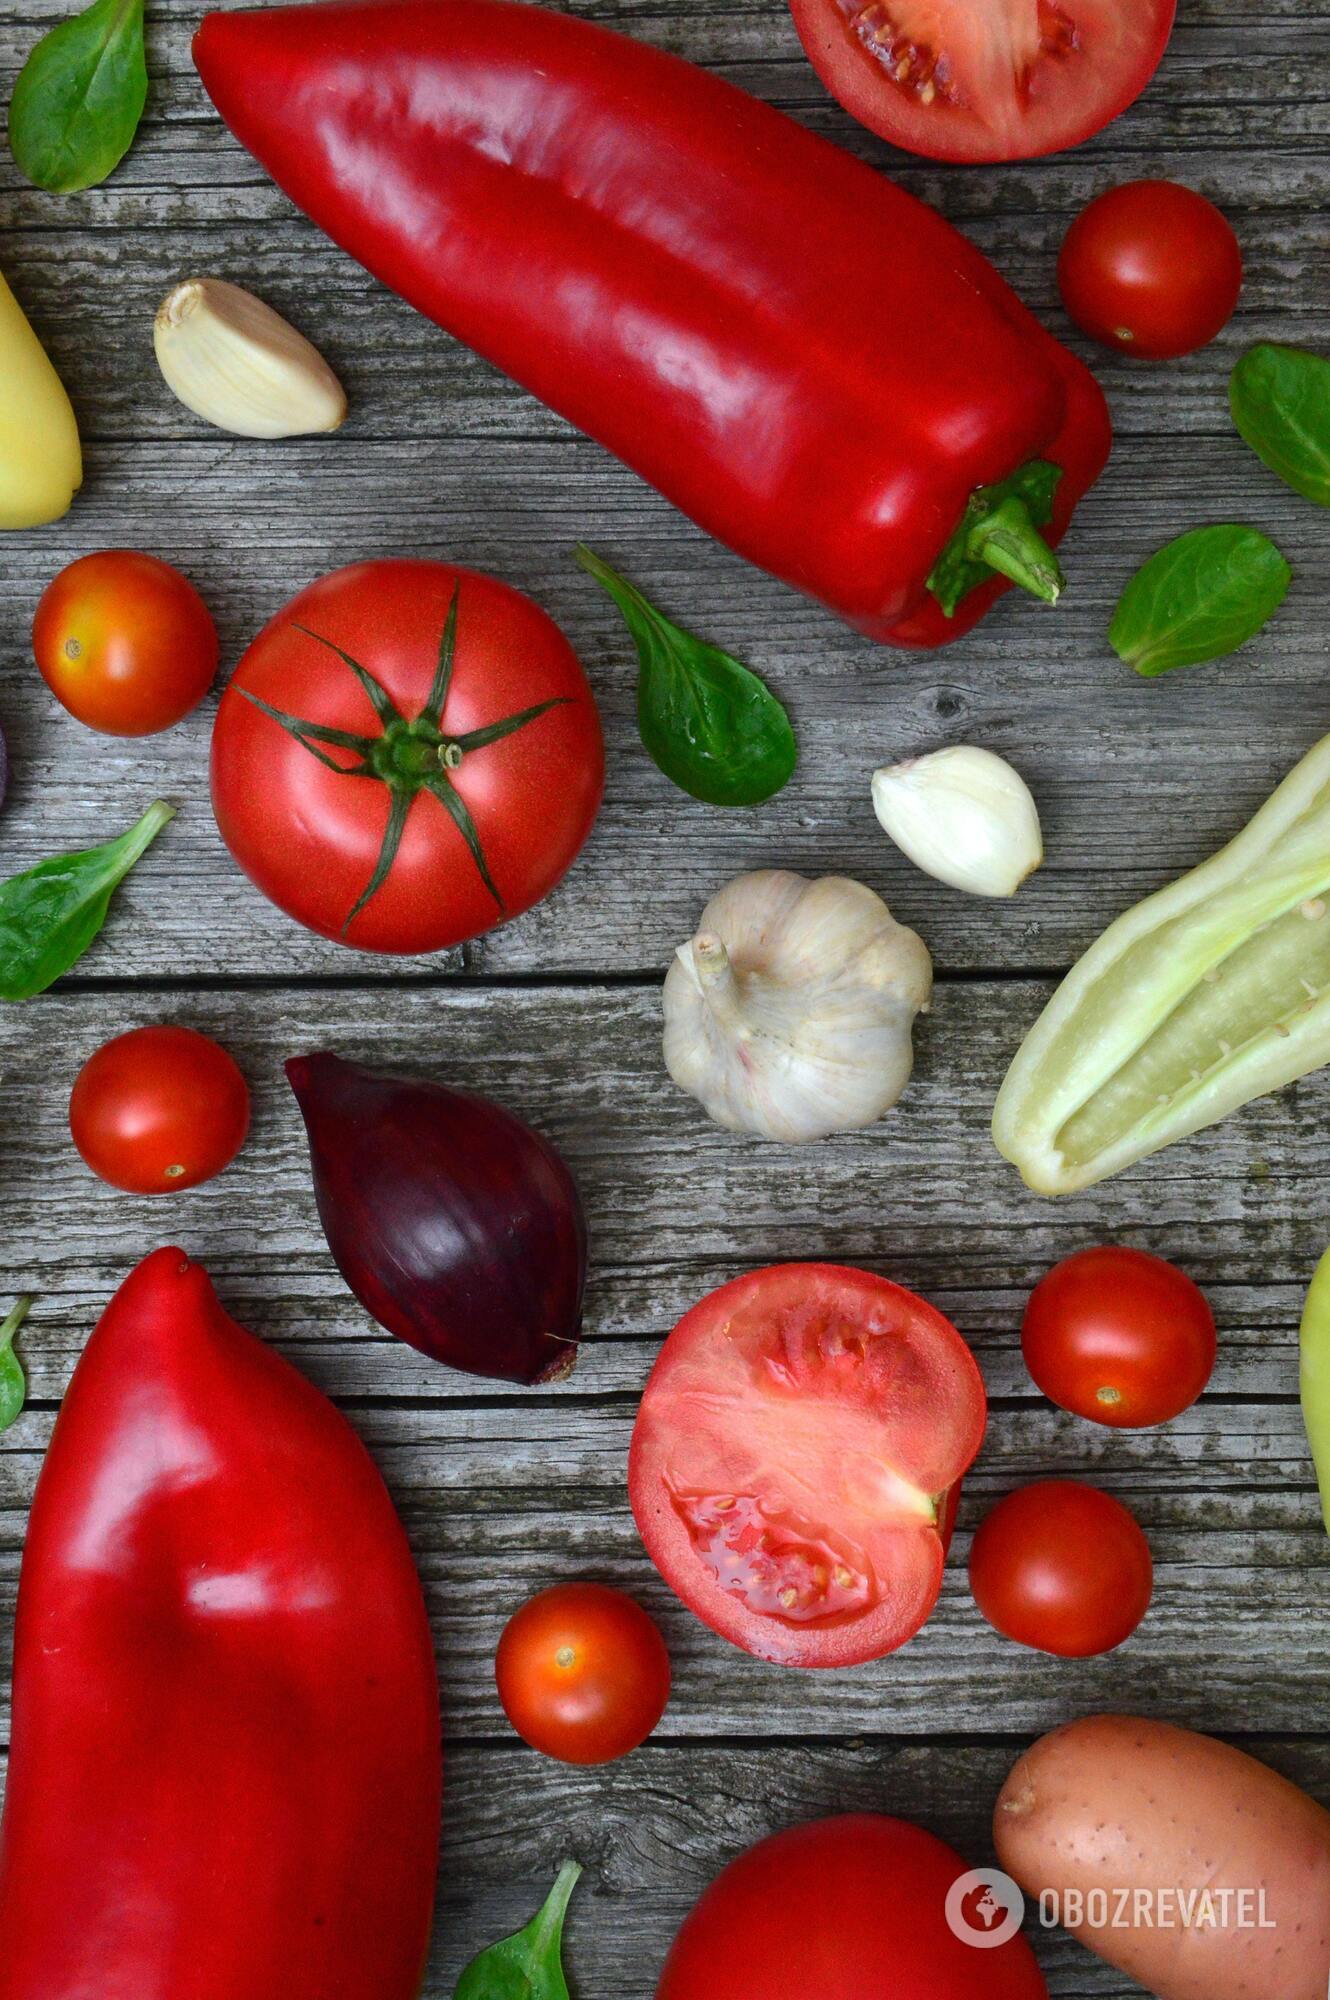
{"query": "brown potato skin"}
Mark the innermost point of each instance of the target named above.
(1113, 1801)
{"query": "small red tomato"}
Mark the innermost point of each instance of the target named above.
(1151, 268)
(1119, 1336)
(159, 1109)
(583, 1673)
(125, 643)
(1062, 1567)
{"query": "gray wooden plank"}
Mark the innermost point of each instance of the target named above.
(481, 472)
(676, 1206)
(504, 1490)
(499, 1503)
(653, 1831)
(1136, 780)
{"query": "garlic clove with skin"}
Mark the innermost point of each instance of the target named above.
(790, 1013)
(963, 816)
(239, 365)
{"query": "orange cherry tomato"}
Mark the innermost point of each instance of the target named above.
(583, 1673)
(159, 1109)
(125, 643)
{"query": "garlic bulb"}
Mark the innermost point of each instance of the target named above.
(238, 364)
(963, 816)
(789, 1014)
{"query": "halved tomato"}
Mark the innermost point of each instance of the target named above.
(796, 1458)
(985, 79)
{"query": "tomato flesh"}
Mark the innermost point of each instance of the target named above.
(985, 79)
(582, 1673)
(794, 1459)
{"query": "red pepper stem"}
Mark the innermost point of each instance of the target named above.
(1008, 541)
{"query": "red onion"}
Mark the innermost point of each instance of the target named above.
(454, 1224)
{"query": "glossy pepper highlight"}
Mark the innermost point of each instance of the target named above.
(809, 362)
(224, 1774)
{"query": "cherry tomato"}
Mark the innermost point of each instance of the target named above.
(583, 1673)
(1151, 268)
(1062, 1567)
(125, 643)
(496, 801)
(1120, 1337)
(159, 1109)
(1005, 80)
(795, 1461)
(852, 1908)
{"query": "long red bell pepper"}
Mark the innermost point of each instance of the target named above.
(808, 361)
(224, 1777)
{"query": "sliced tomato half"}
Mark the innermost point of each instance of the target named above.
(796, 1459)
(985, 79)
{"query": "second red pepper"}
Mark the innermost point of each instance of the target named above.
(808, 361)
(224, 1777)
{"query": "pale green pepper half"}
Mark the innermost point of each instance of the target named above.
(1314, 1341)
(1209, 993)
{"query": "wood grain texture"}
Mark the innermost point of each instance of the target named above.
(558, 1014)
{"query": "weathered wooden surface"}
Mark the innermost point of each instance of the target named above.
(558, 1015)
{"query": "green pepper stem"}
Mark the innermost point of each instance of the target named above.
(10, 1325)
(1008, 541)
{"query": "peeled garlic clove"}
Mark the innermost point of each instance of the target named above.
(790, 1012)
(238, 364)
(963, 816)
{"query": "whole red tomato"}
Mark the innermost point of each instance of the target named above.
(1062, 1567)
(854, 1908)
(406, 756)
(159, 1109)
(1119, 1336)
(125, 643)
(1151, 268)
(796, 1460)
(583, 1673)
(1005, 80)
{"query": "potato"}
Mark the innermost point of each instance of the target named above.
(1115, 1804)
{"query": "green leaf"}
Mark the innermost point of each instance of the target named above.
(528, 1965)
(1201, 597)
(711, 725)
(50, 915)
(79, 98)
(1280, 399)
(13, 1387)
(997, 534)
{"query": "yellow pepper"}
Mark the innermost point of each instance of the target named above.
(41, 466)
(1315, 1377)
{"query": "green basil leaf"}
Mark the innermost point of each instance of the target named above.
(1280, 399)
(13, 1387)
(528, 1965)
(711, 725)
(1201, 597)
(50, 915)
(79, 98)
